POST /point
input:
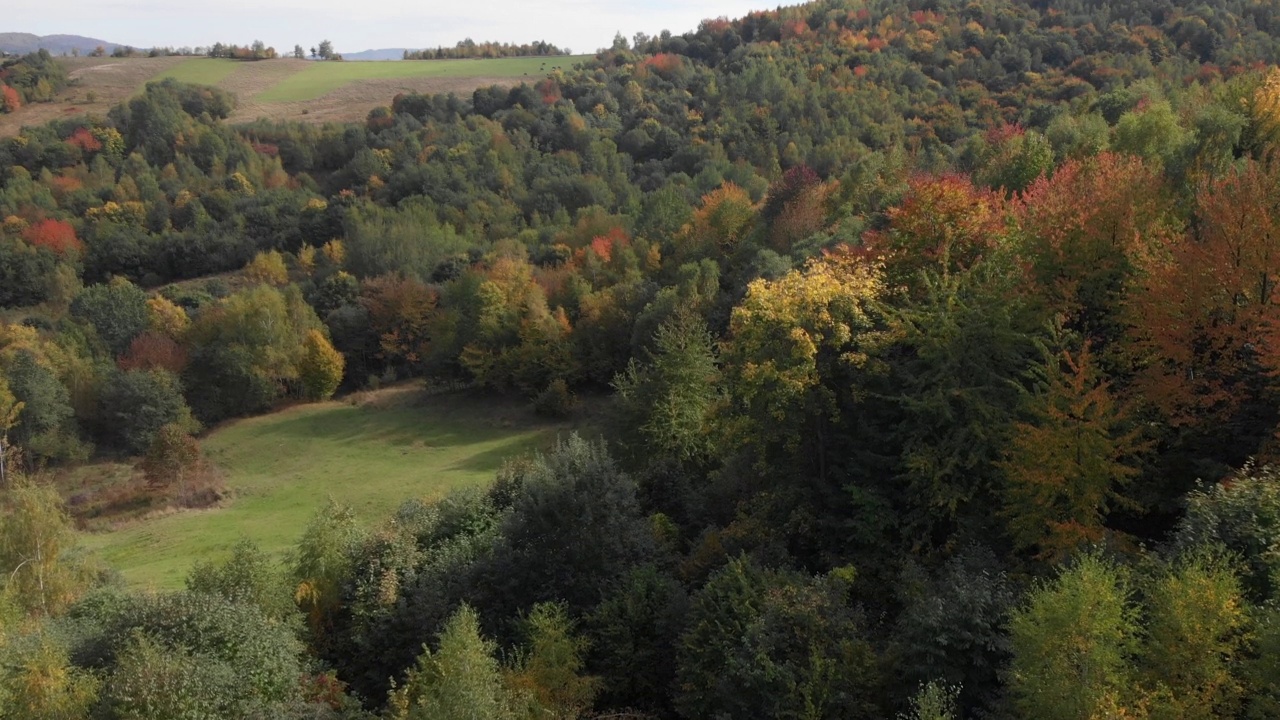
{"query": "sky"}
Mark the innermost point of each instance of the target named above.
(582, 25)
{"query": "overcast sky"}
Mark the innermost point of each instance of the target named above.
(583, 25)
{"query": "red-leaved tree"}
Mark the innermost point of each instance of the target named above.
(56, 235)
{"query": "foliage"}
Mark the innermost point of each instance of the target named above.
(1073, 642)
(320, 367)
(774, 643)
(1065, 468)
(39, 570)
(459, 681)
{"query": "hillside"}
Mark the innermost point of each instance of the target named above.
(922, 361)
(283, 89)
(281, 469)
(380, 54)
(22, 43)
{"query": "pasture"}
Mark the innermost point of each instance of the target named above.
(281, 89)
(371, 455)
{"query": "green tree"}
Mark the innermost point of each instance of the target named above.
(575, 526)
(550, 670)
(116, 310)
(41, 682)
(1073, 644)
(10, 409)
(36, 537)
(667, 401)
(135, 404)
(775, 644)
(45, 427)
(1241, 514)
(1196, 632)
(933, 702)
(246, 351)
(461, 680)
(322, 565)
(248, 576)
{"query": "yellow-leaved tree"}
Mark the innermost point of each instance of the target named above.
(793, 349)
(320, 368)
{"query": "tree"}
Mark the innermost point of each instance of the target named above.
(116, 310)
(1065, 467)
(549, 671)
(36, 540)
(460, 680)
(299, 53)
(955, 353)
(1206, 319)
(45, 427)
(1195, 636)
(1242, 515)
(952, 631)
(269, 268)
(667, 401)
(325, 51)
(1087, 231)
(574, 528)
(246, 351)
(401, 311)
(10, 100)
(933, 702)
(794, 346)
(320, 368)
(135, 404)
(322, 564)
(173, 455)
(774, 644)
(43, 683)
(248, 576)
(56, 235)
(198, 654)
(10, 409)
(1073, 644)
(944, 223)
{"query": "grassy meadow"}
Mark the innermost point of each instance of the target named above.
(204, 71)
(281, 89)
(321, 78)
(372, 456)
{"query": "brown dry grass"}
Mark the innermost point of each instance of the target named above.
(110, 81)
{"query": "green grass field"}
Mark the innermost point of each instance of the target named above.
(282, 467)
(204, 71)
(321, 78)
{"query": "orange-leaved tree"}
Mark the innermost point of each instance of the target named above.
(944, 223)
(1065, 466)
(1087, 230)
(1206, 320)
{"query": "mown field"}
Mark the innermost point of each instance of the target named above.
(371, 455)
(279, 89)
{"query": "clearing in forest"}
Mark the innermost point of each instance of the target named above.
(371, 454)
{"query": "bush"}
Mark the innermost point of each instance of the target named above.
(556, 401)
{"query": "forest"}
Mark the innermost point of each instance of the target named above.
(939, 342)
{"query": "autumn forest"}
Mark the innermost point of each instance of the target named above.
(934, 347)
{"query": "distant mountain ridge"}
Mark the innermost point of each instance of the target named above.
(14, 42)
(379, 54)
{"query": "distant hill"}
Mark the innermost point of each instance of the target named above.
(382, 54)
(56, 44)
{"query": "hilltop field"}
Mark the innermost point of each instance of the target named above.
(370, 452)
(279, 89)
